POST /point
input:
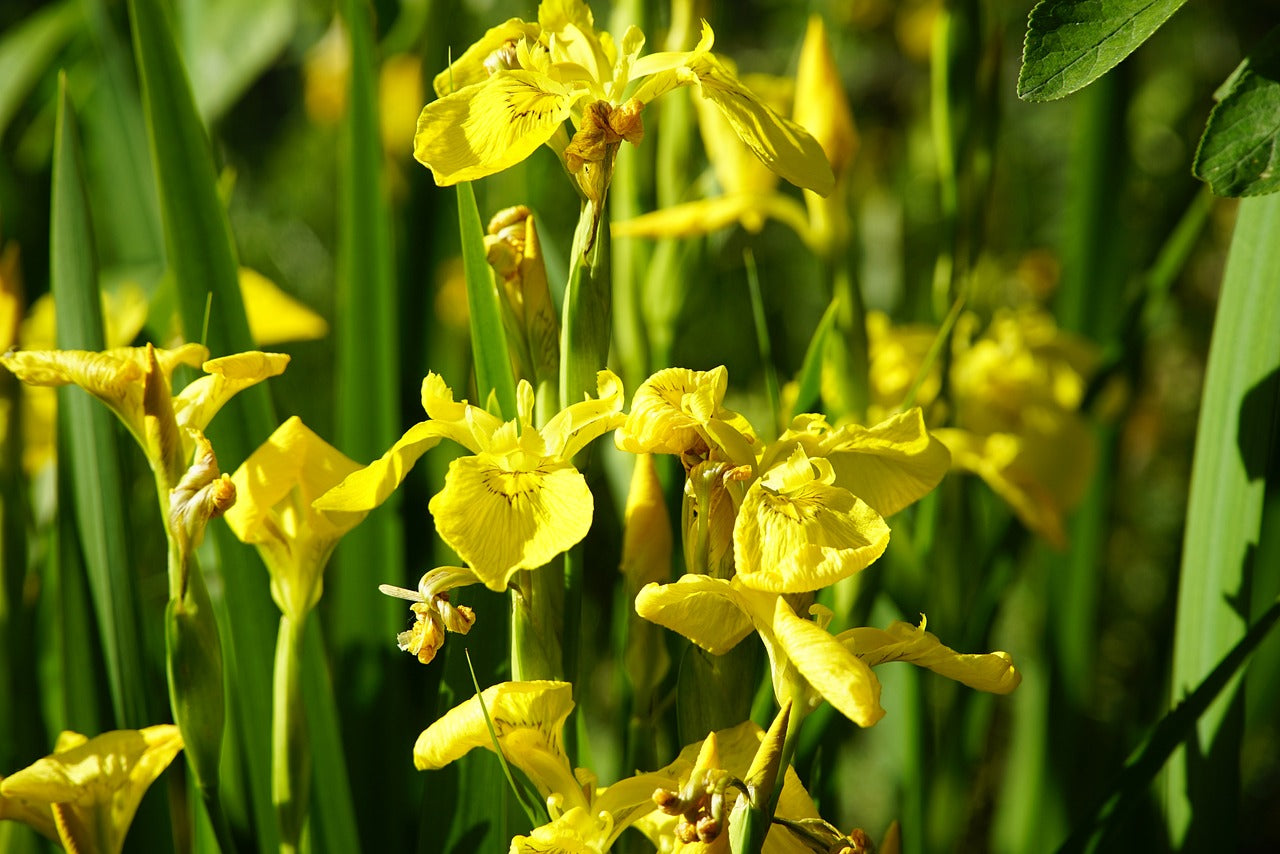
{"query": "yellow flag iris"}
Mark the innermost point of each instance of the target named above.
(89, 789)
(517, 501)
(809, 506)
(513, 90)
(528, 719)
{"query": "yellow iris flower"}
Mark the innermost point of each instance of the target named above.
(1016, 390)
(528, 718)
(809, 506)
(275, 488)
(809, 664)
(517, 502)
(86, 792)
(512, 91)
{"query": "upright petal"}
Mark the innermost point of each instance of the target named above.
(490, 126)
(578, 424)
(487, 56)
(201, 400)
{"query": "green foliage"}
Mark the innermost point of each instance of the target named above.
(1071, 43)
(1239, 154)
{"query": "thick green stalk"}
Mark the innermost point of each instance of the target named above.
(290, 746)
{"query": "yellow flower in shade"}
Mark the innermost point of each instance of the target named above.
(528, 718)
(1016, 391)
(517, 502)
(809, 506)
(90, 788)
(808, 663)
(512, 91)
(274, 316)
(276, 487)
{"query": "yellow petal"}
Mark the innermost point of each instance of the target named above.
(506, 513)
(575, 426)
(835, 673)
(993, 672)
(528, 718)
(367, 488)
(797, 532)
(671, 410)
(471, 67)
(274, 316)
(707, 215)
(575, 831)
(996, 459)
(780, 143)
(490, 126)
(708, 611)
(102, 780)
(889, 466)
(469, 426)
(646, 542)
(37, 816)
(201, 400)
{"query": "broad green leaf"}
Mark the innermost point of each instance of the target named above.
(488, 338)
(97, 495)
(1239, 154)
(1235, 433)
(1071, 43)
(228, 44)
(28, 49)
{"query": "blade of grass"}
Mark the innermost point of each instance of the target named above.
(27, 49)
(763, 342)
(97, 496)
(1224, 512)
(488, 339)
(809, 380)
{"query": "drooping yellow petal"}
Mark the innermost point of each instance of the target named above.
(708, 611)
(704, 216)
(993, 672)
(36, 815)
(834, 673)
(797, 532)
(196, 405)
(485, 57)
(100, 780)
(369, 487)
(274, 316)
(780, 143)
(490, 126)
(528, 718)
(510, 512)
(889, 466)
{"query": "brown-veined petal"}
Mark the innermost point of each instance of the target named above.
(490, 126)
(797, 532)
(506, 513)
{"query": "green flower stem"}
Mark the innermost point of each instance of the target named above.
(193, 658)
(536, 607)
(290, 754)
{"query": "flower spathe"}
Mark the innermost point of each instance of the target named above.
(275, 488)
(93, 786)
(513, 90)
(517, 501)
